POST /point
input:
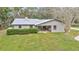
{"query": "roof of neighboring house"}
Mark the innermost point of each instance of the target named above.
(23, 21)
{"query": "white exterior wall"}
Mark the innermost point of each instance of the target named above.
(23, 27)
(15, 27)
(34, 27)
(59, 26)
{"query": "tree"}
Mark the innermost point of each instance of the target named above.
(4, 16)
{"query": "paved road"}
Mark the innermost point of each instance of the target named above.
(77, 37)
(74, 28)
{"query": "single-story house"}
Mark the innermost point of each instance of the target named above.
(52, 25)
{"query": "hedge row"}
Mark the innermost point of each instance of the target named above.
(21, 31)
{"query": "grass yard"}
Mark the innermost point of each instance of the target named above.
(39, 42)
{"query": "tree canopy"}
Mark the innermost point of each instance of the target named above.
(68, 15)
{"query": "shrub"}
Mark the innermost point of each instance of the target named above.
(21, 31)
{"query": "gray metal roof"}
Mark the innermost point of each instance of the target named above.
(23, 21)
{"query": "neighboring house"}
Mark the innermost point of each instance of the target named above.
(52, 25)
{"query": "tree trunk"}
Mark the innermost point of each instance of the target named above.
(67, 29)
(1, 27)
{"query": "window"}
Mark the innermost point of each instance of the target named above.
(19, 26)
(54, 27)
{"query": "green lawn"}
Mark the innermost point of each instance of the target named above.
(39, 42)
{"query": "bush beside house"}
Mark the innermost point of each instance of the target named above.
(21, 31)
